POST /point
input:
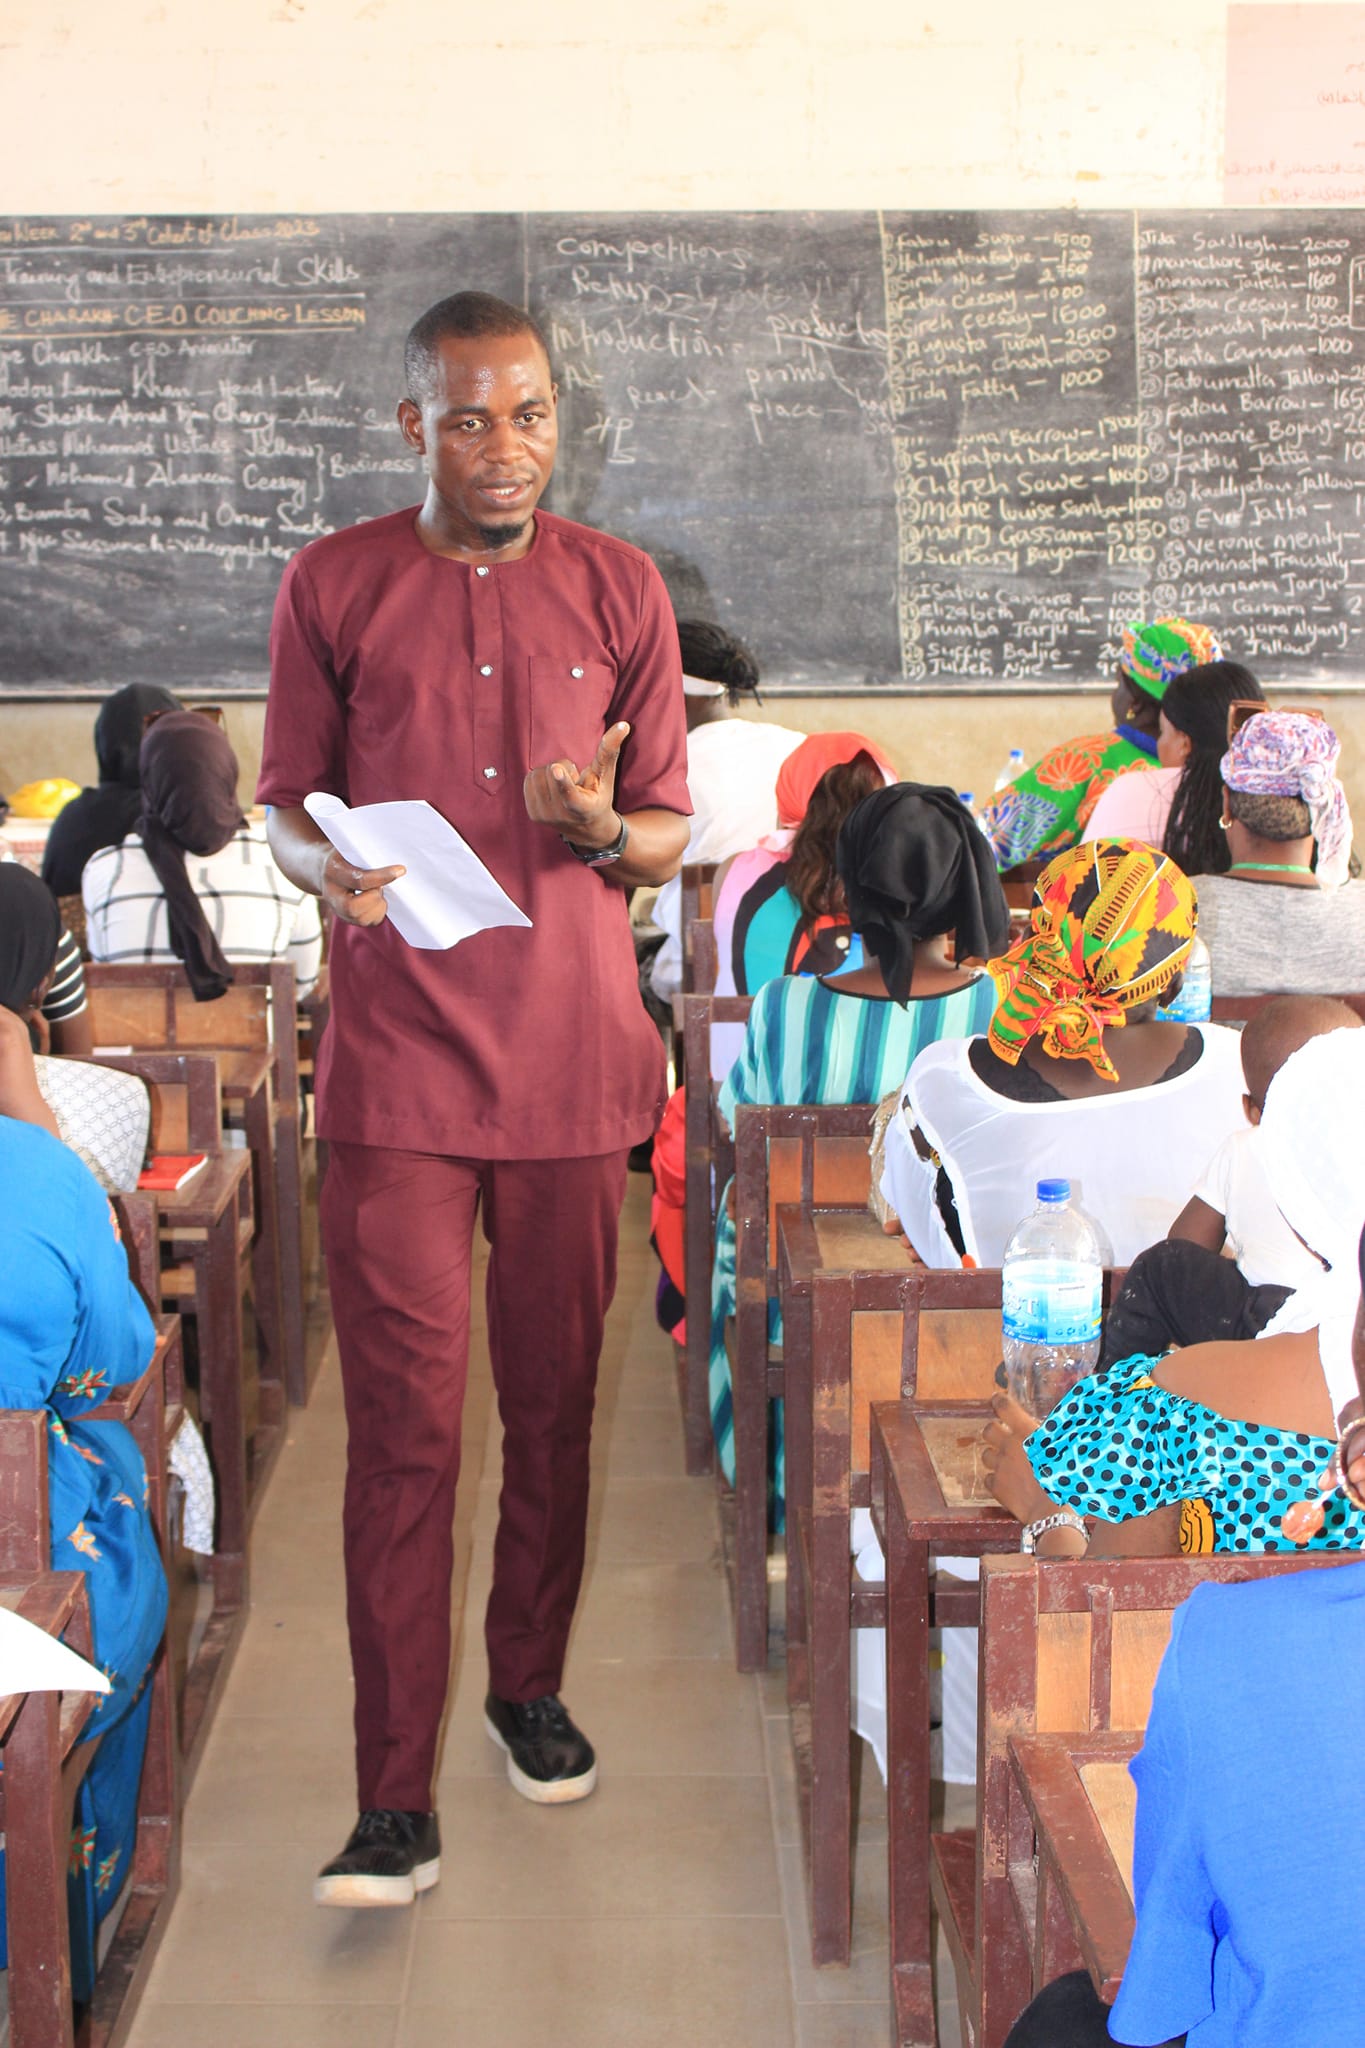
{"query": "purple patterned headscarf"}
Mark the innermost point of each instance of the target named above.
(1285, 753)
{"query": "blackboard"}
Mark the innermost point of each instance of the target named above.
(924, 451)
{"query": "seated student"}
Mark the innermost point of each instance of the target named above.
(777, 908)
(196, 882)
(108, 813)
(1285, 916)
(1046, 808)
(1182, 1291)
(1177, 806)
(72, 1326)
(916, 874)
(104, 1116)
(1239, 1432)
(1078, 1075)
(1250, 1784)
(732, 766)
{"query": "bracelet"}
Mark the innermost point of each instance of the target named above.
(600, 856)
(1028, 1541)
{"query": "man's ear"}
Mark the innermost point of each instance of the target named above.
(1252, 1108)
(410, 425)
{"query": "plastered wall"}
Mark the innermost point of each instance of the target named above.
(292, 105)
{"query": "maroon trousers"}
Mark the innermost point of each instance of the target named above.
(398, 1228)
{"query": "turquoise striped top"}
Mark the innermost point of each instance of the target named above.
(805, 1043)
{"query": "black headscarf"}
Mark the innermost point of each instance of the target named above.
(189, 805)
(915, 864)
(30, 928)
(103, 817)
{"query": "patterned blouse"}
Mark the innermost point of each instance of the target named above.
(1045, 809)
(1118, 1446)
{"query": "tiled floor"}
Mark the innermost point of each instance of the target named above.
(666, 1910)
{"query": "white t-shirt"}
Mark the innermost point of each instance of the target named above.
(1235, 1183)
(1132, 1157)
(1136, 805)
(732, 767)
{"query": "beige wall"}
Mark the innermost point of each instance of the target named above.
(124, 105)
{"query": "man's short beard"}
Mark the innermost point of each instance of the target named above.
(502, 536)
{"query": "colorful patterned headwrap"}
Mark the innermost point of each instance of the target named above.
(1285, 753)
(1111, 923)
(1154, 654)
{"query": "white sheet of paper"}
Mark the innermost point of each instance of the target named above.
(447, 893)
(33, 1661)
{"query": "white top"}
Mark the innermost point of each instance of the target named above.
(732, 768)
(1132, 1157)
(103, 1115)
(253, 909)
(1136, 805)
(1235, 1184)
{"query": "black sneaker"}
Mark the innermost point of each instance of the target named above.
(548, 1759)
(390, 1857)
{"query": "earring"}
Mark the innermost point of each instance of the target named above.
(1225, 824)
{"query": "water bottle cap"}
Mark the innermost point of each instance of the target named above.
(1054, 1191)
(967, 797)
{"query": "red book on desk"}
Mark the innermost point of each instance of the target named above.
(170, 1170)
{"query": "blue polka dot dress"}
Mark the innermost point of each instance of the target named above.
(1118, 1446)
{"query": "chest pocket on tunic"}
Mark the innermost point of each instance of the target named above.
(570, 700)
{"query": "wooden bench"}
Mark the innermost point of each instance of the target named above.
(917, 1335)
(1067, 1645)
(206, 1233)
(253, 1031)
(784, 1155)
(44, 1761)
(25, 1551)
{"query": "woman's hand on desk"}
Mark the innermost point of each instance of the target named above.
(1012, 1479)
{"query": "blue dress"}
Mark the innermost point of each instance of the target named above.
(1118, 1446)
(1248, 1877)
(72, 1326)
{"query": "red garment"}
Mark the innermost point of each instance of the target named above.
(667, 1210)
(809, 763)
(398, 1228)
(514, 1043)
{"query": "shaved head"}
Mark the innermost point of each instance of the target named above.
(464, 316)
(1276, 1032)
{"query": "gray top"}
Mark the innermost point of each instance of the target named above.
(1264, 938)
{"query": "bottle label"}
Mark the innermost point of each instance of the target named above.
(1051, 1301)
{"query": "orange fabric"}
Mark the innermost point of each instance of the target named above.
(805, 766)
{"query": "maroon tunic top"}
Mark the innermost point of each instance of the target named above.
(399, 673)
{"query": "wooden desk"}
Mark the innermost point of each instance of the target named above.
(1072, 1807)
(42, 1769)
(927, 1498)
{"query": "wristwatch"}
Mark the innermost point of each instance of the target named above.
(600, 856)
(1028, 1540)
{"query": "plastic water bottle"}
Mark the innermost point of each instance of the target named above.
(1011, 771)
(1051, 1283)
(1195, 1001)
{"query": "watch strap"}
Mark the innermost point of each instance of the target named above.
(600, 856)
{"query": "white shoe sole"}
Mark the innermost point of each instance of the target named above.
(559, 1792)
(359, 1890)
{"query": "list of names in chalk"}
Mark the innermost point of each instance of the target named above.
(1251, 350)
(148, 401)
(1023, 504)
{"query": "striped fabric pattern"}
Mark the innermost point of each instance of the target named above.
(66, 994)
(806, 1043)
(254, 911)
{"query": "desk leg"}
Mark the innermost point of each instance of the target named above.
(289, 1195)
(37, 1834)
(796, 1418)
(908, 1788)
(220, 1381)
(749, 1395)
(274, 1362)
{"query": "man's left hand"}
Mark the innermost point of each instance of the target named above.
(579, 805)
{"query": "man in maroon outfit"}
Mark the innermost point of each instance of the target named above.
(475, 652)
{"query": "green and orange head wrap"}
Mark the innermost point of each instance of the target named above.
(1156, 653)
(1110, 926)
